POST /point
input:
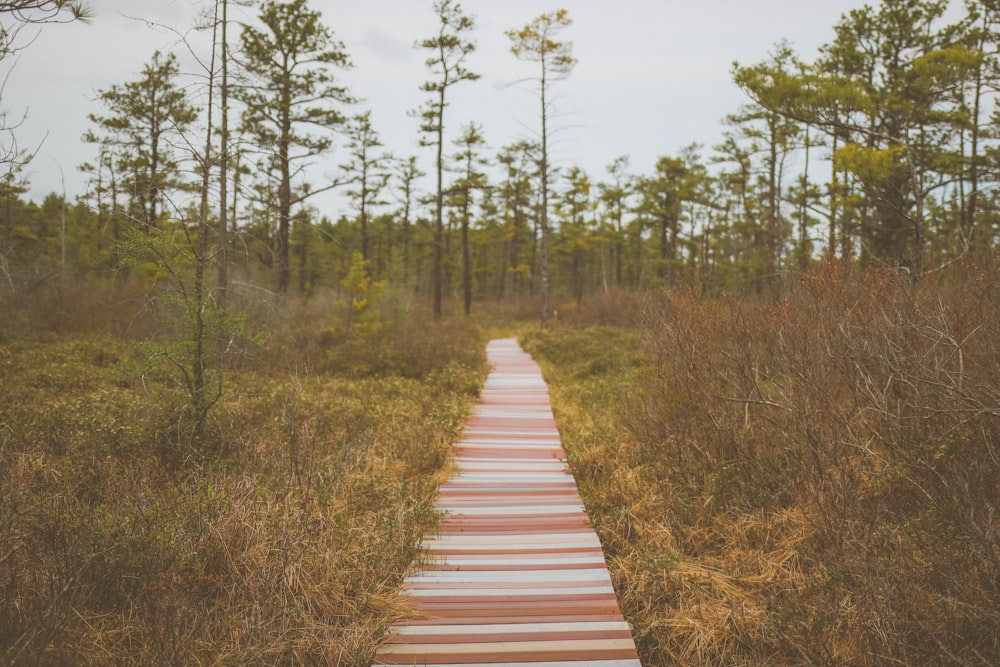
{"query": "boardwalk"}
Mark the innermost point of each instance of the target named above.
(516, 575)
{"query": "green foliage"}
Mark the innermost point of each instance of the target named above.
(886, 86)
(190, 354)
(363, 296)
(537, 43)
(145, 118)
(677, 182)
(283, 56)
(868, 164)
(876, 148)
(368, 170)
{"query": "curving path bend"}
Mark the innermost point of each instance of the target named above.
(516, 575)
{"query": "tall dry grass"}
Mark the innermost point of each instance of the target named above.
(281, 536)
(812, 482)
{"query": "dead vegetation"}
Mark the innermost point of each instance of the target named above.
(279, 536)
(810, 482)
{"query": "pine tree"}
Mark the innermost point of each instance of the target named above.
(366, 171)
(536, 43)
(407, 173)
(883, 90)
(448, 50)
(144, 120)
(292, 90)
(614, 197)
(520, 163)
(469, 164)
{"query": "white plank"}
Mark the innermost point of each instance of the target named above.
(505, 628)
(495, 548)
(508, 592)
(510, 433)
(501, 412)
(512, 477)
(511, 510)
(527, 446)
(521, 559)
(523, 466)
(515, 577)
(556, 540)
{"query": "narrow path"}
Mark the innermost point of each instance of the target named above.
(516, 574)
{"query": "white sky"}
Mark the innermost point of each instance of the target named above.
(653, 75)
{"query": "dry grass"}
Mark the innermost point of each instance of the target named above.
(813, 482)
(281, 537)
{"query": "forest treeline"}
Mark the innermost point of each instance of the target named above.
(881, 148)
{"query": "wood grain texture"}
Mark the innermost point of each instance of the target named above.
(516, 574)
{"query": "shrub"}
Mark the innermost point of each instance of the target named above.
(819, 476)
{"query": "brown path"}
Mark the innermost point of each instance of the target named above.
(516, 574)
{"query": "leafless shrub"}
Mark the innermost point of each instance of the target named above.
(870, 406)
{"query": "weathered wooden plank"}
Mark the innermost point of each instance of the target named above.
(409, 631)
(577, 645)
(560, 663)
(510, 562)
(543, 594)
(505, 577)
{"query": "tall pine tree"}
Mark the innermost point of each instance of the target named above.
(291, 91)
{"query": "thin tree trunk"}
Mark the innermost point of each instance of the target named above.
(544, 220)
(466, 259)
(974, 162)
(364, 212)
(199, 397)
(804, 212)
(284, 209)
(439, 212)
(223, 225)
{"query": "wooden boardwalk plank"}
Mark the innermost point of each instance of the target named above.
(516, 574)
(576, 663)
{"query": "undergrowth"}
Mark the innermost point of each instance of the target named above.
(280, 536)
(809, 482)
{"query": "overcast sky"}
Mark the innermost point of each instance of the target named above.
(653, 75)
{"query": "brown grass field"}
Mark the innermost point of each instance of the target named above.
(808, 482)
(279, 536)
(812, 481)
